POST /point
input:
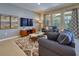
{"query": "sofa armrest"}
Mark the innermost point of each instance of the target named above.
(73, 45)
(57, 48)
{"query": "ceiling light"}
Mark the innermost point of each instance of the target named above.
(38, 3)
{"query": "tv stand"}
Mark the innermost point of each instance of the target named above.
(24, 33)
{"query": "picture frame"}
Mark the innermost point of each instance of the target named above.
(14, 22)
(4, 22)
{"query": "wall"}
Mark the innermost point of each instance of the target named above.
(9, 9)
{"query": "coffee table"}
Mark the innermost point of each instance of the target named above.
(30, 44)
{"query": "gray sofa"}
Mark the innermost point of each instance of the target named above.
(53, 48)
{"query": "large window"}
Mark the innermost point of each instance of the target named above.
(67, 20)
(47, 20)
(56, 20)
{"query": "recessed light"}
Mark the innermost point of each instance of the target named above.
(38, 3)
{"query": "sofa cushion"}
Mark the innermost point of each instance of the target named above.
(64, 38)
(52, 36)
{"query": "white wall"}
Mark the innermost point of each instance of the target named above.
(9, 9)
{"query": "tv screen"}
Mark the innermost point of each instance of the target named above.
(30, 22)
(26, 22)
(23, 22)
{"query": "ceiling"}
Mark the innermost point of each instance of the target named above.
(41, 7)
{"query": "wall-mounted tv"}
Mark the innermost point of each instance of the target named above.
(26, 22)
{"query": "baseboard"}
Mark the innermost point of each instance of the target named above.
(9, 38)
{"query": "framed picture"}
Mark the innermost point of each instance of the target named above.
(0, 22)
(5, 22)
(14, 22)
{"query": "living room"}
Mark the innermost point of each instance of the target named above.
(39, 29)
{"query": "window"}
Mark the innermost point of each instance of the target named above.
(47, 20)
(67, 20)
(56, 20)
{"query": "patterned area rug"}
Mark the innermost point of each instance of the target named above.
(28, 46)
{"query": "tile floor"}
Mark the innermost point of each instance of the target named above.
(9, 48)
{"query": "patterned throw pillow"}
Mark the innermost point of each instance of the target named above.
(64, 39)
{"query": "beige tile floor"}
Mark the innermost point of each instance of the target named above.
(9, 48)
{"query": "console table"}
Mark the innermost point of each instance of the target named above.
(24, 33)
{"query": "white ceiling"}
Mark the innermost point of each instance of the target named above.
(40, 8)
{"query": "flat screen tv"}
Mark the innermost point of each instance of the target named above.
(26, 22)
(30, 21)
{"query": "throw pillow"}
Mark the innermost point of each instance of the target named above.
(52, 36)
(64, 39)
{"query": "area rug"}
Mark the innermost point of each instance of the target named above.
(30, 48)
